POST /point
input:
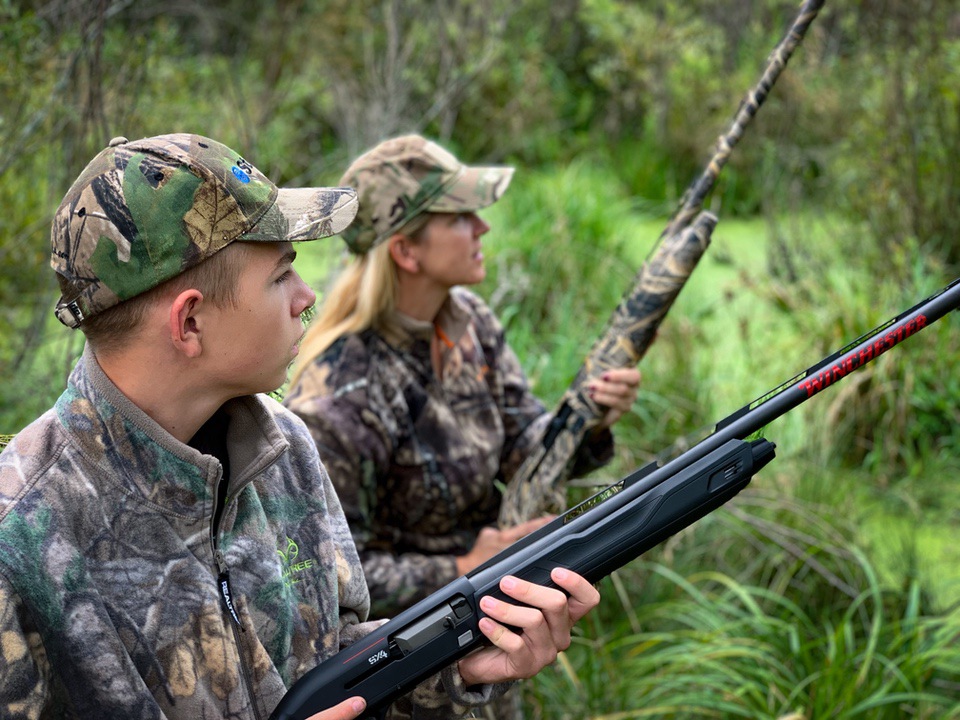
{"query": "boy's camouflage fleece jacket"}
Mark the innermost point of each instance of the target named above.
(415, 458)
(110, 573)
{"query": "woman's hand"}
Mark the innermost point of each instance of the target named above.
(545, 627)
(615, 390)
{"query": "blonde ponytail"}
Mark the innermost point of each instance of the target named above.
(363, 295)
(364, 291)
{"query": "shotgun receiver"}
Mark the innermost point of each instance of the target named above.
(593, 539)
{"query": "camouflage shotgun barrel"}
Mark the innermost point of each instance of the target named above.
(539, 484)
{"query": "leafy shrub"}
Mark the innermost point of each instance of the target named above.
(891, 166)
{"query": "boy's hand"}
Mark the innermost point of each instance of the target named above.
(545, 627)
(347, 710)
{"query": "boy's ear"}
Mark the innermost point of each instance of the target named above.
(404, 253)
(186, 329)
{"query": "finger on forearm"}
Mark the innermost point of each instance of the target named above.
(545, 616)
(497, 634)
(539, 596)
(521, 617)
(347, 710)
(583, 596)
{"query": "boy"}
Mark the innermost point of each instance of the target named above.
(170, 544)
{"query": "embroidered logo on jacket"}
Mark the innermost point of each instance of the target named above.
(292, 566)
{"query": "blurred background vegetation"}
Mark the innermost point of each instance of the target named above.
(828, 589)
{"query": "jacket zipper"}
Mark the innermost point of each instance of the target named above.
(226, 602)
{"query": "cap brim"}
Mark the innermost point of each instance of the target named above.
(313, 213)
(474, 188)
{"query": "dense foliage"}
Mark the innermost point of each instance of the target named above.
(829, 590)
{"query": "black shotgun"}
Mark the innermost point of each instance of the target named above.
(594, 538)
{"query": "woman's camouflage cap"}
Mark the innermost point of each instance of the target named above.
(143, 212)
(405, 176)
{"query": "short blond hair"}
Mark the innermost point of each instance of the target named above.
(217, 278)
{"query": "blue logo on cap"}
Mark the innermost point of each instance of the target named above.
(240, 174)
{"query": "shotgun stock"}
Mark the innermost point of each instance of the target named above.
(538, 484)
(593, 539)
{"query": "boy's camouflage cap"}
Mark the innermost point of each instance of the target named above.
(403, 177)
(142, 212)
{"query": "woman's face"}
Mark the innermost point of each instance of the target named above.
(449, 249)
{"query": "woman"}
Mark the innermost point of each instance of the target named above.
(417, 404)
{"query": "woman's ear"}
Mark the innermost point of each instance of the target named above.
(404, 253)
(186, 330)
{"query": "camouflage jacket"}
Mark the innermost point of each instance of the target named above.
(415, 458)
(110, 568)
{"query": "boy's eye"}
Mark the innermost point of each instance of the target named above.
(283, 278)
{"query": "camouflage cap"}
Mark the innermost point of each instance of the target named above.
(142, 212)
(403, 177)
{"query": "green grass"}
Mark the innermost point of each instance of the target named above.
(715, 647)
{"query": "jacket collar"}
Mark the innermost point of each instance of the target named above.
(127, 445)
(403, 331)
